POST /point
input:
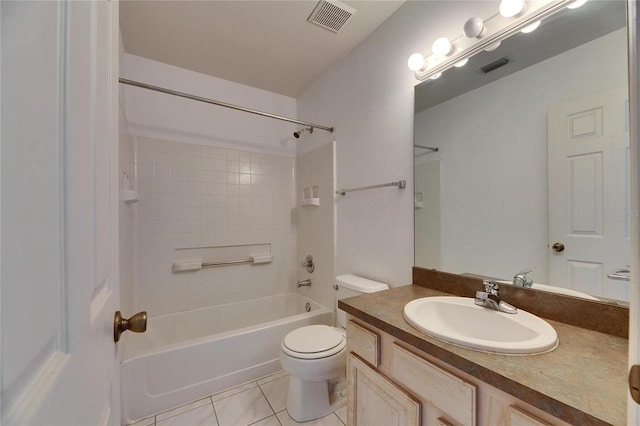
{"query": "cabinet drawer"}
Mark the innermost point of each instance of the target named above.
(447, 392)
(518, 417)
(363, 342)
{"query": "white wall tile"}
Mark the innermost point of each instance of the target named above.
(207, 196)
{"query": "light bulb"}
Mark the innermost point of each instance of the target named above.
(416, 62)
(461, 63)
(509, 8)
(576, 4)
(436, 76)
(530, 28)
(442, 47)
(493, 47)
(473, 27)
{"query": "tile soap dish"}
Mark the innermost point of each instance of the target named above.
(310, 196)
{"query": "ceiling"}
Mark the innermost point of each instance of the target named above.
(262, 43)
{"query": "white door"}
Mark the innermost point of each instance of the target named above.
(59, 281)
(589, 203)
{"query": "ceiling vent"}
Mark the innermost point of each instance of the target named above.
(331, 15)
(495, 65)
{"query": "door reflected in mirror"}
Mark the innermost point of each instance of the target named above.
(533, 151)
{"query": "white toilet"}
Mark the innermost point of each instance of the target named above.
(315, 357)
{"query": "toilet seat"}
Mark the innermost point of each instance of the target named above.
(313, 342)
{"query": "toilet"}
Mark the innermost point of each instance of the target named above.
(315, 358)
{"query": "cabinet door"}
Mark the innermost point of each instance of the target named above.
(375, 400)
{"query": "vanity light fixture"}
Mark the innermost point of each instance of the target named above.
(461, 63)
(493, 47)
(509, 8)
(576, 4)
(436, 76)
(442, 47)
(416, 62)
(474, 27)
(478, 35)
(531, 28)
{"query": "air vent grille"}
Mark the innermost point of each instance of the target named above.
(495, 65)
(331, 15)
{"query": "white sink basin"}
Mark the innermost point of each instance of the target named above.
(460, 321)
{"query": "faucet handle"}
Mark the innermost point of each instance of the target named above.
(490, 287)
(520, 279)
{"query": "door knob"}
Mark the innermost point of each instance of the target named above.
(557, 247)
(137, 324)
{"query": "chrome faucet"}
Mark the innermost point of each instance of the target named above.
(521, 280)
(489, 298)
(304, 283)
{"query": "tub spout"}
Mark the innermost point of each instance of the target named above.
(304, 283)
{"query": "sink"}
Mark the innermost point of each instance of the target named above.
(460, 321)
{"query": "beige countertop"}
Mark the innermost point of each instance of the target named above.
(583, 381)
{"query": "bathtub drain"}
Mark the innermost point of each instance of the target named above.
(307, 307)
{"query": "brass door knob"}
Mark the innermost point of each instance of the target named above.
(137, 324)
(557, 247)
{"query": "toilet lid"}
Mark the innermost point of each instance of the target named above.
(313, 339)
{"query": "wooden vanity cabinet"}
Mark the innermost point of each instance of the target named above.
(392, 383)
(376, 400)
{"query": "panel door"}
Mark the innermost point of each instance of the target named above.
(59, 212)
(589, 203)
(374, 400)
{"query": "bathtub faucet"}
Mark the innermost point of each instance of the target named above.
(304, 283)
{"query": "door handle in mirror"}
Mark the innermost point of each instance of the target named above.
(557, 247)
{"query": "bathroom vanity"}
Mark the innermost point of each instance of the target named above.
(399, 375)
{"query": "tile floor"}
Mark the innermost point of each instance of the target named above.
(259, 403)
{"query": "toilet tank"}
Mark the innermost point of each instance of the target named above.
(353, 285)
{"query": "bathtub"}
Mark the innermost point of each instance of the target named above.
(189, 355)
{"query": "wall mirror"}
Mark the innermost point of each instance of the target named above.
(532, 163)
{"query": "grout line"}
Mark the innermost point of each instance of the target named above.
(179, 414)
(215, 414)
(175, 408)
(270, 406)
(266, 399)
(271, 415)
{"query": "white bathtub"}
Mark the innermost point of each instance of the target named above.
(188, 355)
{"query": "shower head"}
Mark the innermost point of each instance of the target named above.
(299, 132)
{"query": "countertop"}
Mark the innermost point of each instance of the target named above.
(583, 381)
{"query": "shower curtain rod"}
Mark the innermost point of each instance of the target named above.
(222, 104)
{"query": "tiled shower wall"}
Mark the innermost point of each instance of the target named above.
(202, 196)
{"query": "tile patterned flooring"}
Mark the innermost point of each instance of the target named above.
(258, 403)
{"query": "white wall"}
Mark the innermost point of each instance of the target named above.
(494, 161)
(158, 115)
(368, 97)
(316, 224)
